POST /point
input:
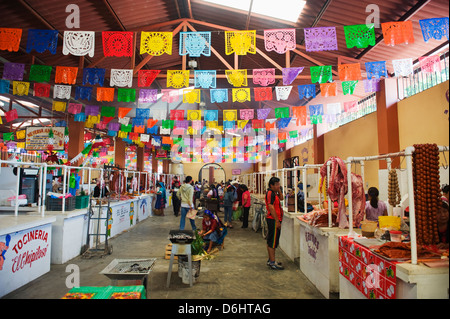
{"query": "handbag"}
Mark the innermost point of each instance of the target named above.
(191, 213)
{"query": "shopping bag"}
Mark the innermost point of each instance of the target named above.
(191, 214)
(237, 213)
(235, 205)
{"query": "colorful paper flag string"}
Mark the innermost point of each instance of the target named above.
(435, 28)
(205, 79)
(240, 42)
(10, 39)
(279, 40)
(79, 43)
(156, 43)
(195, 43)
(42, 40)
(376, 69)
(320, 39)
(360, 35)
(117, 43)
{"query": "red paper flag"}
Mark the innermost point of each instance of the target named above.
(11, 115)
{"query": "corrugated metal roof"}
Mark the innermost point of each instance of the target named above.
(118, 15)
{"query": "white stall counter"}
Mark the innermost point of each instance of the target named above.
(319, 256)
(290, 235)
(25, 250)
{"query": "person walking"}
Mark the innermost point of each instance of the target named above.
(246, 203)
(160, 199)
(176, 201)
(228, 206)
(274, 218)
(186, 195)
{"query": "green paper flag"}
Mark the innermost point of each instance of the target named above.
(8, 136)
(108, 111)
(168, 124)
(126, 128)
(281, 112)
(126, 95)
(40, 73)
(293, 134)
(348, 87)
(360, 35)
(321, 74)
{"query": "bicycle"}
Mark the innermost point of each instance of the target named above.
(259, 219)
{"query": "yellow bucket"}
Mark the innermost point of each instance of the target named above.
(390, 222)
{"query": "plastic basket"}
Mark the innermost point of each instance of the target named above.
(81, 202)
(55, 204)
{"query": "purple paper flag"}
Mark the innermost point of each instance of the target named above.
(262, 113)
(290, 74)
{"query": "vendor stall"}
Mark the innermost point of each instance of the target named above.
(365, 273)
(25, 250)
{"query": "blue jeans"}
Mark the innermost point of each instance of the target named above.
(228, 214)
(184, 211)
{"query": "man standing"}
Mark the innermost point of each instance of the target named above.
(274, 218)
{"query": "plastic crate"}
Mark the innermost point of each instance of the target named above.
(55, 204)
(81, 202)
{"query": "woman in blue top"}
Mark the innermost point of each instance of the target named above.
(160, 199)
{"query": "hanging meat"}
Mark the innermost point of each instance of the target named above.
(337, 187)
(358, 199)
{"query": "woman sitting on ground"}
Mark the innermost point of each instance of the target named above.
(210, 229)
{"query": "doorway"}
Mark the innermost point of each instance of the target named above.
(212, 173)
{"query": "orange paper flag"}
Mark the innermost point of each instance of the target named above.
(10, 39)
(328, 89)
(66, 74)
(397, 32)
(349, 72)
(123, 111)
(105, 94)
(151, 123)
(299, 113)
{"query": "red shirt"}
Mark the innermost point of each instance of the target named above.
(209, 225)
(272, 199)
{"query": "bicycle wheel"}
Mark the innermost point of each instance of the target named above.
(265, 229)
(256, 223)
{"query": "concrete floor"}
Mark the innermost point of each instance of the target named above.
(237, 272)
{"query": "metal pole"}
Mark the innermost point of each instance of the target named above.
(330, 203)
(295, 190)
(349, 194)
(412, 212)
(41, 172)
(64, 189)
(305, 190)
(16, 209)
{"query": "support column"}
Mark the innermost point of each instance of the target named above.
(76, 139)
(140, 159)
(387, 120)
(154, 162)
(319, 146)
(119, 152)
